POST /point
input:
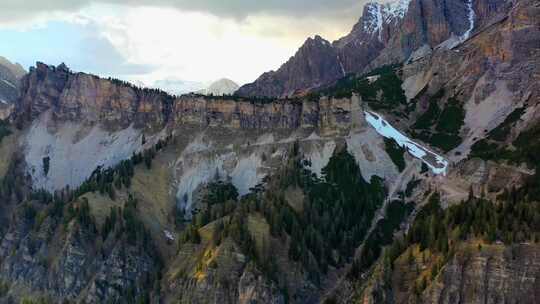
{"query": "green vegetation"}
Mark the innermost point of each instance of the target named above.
(40, 300)
(388, 83)
(515, 219)
(81, 214)
(526, 145)
(395, 152)
(336, 214)
(429, 118)
(500, 133)
(4, 288)
(106, 180)
(441, 128)
(445, 142)
(526, 149)
(411, 185)
(382, 235)
(220, 192)
(451, 119)
(46, 165)
(4, 130)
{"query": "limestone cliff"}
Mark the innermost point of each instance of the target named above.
(385, 34)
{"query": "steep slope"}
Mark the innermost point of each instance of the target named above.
(153, 198)
(10, 74)
(87, 138)
(385, 34)
(316, 63)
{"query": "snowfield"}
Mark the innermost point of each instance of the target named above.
(435, 162)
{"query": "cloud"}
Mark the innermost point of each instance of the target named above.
(148, 40)
(81, 45)
(239, 9)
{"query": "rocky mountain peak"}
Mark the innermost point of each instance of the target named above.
(387, 33)
(15, 68)
(315, 63)
(221, 87)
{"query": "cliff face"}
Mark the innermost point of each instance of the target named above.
(385, 34)
(495, 274)
(72, 123)
(82, 97)
(475, 274)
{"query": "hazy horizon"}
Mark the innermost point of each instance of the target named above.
(145, 41)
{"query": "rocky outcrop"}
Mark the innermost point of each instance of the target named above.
(76, 97)
(229, 278)
(80, 97)
(66, 261)
(10, 75)
(316, 63)
(493, 274)
(385, 34)
(492, 74)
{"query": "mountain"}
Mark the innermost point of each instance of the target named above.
(385, 34)
(178, 87)
(15, 69)
(415, 182)
(10, 74)
(220, 87)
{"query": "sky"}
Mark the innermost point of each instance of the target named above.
(151, 40)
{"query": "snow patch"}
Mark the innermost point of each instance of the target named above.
(341, 66)
(374, 23)
(454, 40)
(471, 17)
(396, 9)
(386, 13)
(436, 162)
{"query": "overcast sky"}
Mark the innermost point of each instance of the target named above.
(149, 40)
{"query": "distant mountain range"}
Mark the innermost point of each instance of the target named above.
(178, 86)
(220, 87)
(173, 86)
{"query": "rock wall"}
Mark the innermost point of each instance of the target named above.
(496, 274)
(385, 34)
(115, 105)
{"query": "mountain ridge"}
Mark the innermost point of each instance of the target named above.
(385, 34)
(114, 193)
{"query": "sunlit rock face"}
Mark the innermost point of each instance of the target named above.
(80, 123)
(386, 33)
